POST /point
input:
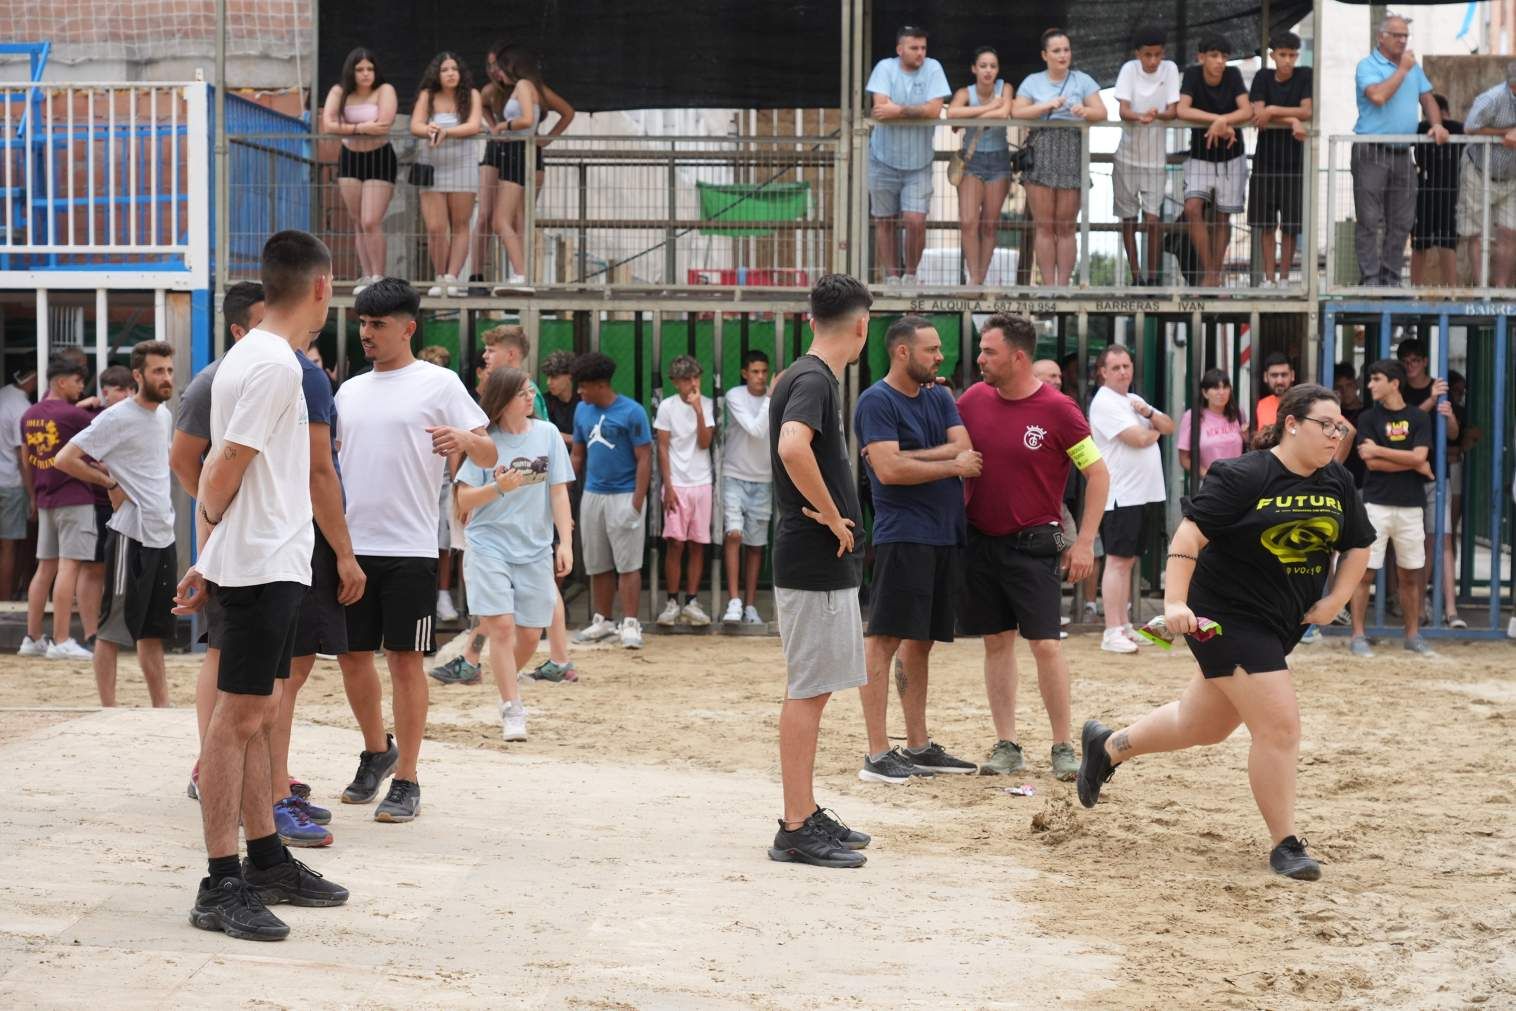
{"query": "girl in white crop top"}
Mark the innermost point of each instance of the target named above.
(446, 117)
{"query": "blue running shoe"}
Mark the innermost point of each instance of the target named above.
(316, 813)
(296, 829)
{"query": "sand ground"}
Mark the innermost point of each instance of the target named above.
(617, 858)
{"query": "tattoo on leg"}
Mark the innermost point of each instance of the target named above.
(900, 678)
(1122, 742)
(479, 643)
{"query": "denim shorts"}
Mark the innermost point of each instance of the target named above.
(894, 191)
(747, 506)
(989, 166)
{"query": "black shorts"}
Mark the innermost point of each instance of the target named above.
(398, 606)
(509, 159)
(379, 164)
(214, 618)
(1275, 201)
(322, 624)
(914, 594)
(138, 602)
(1255, 648)
(1436, 224)
(1007, 590)
(103, 513)
(1121, 531)
(257, 635)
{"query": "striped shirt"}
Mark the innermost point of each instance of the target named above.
(1495, 108)
(905, 147)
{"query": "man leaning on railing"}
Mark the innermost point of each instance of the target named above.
(1493, 114)
(1390, 86)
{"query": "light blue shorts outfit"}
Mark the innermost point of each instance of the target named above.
(991, 160)
(747, 506)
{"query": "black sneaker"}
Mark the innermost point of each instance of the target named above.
(847, 838)
(813, 843)
(373, 768)
(1095, 768)
(234, 908)
(402, 804)
(893, 768)
(935, 759)
(1290, 859)
(292, 882)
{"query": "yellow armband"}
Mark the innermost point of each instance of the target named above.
(1084, 453)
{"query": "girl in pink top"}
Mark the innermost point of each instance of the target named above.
(1222, 426)
(361, 110)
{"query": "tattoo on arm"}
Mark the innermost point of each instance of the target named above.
(1122, 742)
(229, 453)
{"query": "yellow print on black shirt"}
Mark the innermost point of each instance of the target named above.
(1397, 429)
(1294, 541)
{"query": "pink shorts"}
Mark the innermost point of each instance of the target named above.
(691, 520)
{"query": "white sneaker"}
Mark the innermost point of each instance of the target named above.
(1132, 636)
(600, 627)
(68, 649)
(446, 611)
(454, 289)
(907, 280)
(631, 633)
(669, 616)
(34, 647)
(892, 281)
(1115, 641)
(733, 613)
(360, 284)
(513, 721)
(1091, 612)
(750, 616)
(435, 291)
(694, 614)
(516, 280)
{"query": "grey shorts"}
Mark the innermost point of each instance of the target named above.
(14, 506)
(612, 532)
(821, 632)
(67, 532)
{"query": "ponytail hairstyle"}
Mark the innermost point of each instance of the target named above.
(1296, 403)
(503, 386)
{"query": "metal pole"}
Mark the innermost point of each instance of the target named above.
(529, 240)
(1497, 469)
(1484, 227)
(1084, 206)
(43, 342)
(1331, 215)
(1311, 183)
(102, 333)
(223, 191)
(1440, 469)
(1381, 582)
(718, 531)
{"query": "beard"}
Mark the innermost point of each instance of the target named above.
(920, 373)
(156, 394)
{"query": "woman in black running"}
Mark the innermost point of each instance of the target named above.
(1253, 553)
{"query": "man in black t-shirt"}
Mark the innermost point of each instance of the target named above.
(1432, 397)
(816, 572)
(1393, 441)
(1216, 172)
(1281, 100)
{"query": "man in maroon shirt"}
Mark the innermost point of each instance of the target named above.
(66, 529)
(1028, 435)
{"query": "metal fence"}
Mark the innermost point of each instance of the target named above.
(104, 183)
(467, 217)
(1405, 212)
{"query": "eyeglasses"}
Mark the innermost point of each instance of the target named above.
(1331, 429)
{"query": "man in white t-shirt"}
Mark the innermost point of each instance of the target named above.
(130, 438)
(254, 521)
(747, 485)
(1147, 91)
(15, 496)
(1126, 430)
(396, 425)
(684, 427)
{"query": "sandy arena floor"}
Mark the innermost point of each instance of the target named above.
(617, 858)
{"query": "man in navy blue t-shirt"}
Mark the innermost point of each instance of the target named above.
(917, 453)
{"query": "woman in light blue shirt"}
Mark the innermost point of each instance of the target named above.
(986, 161)
(1055, 182)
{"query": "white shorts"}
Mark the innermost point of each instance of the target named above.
(1139, 189)
(1471, 188)
(1223, 184)
(1401, 524)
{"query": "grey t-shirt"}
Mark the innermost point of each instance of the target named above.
(131, 441)
(195, 403)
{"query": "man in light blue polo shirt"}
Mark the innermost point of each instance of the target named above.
(907, 86)
(1493, 114)
(1392, 92)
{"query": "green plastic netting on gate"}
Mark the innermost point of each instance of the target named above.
(751, 205)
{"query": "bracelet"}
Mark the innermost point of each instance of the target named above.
(1180, 554)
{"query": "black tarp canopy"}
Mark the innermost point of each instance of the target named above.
(661, 54)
